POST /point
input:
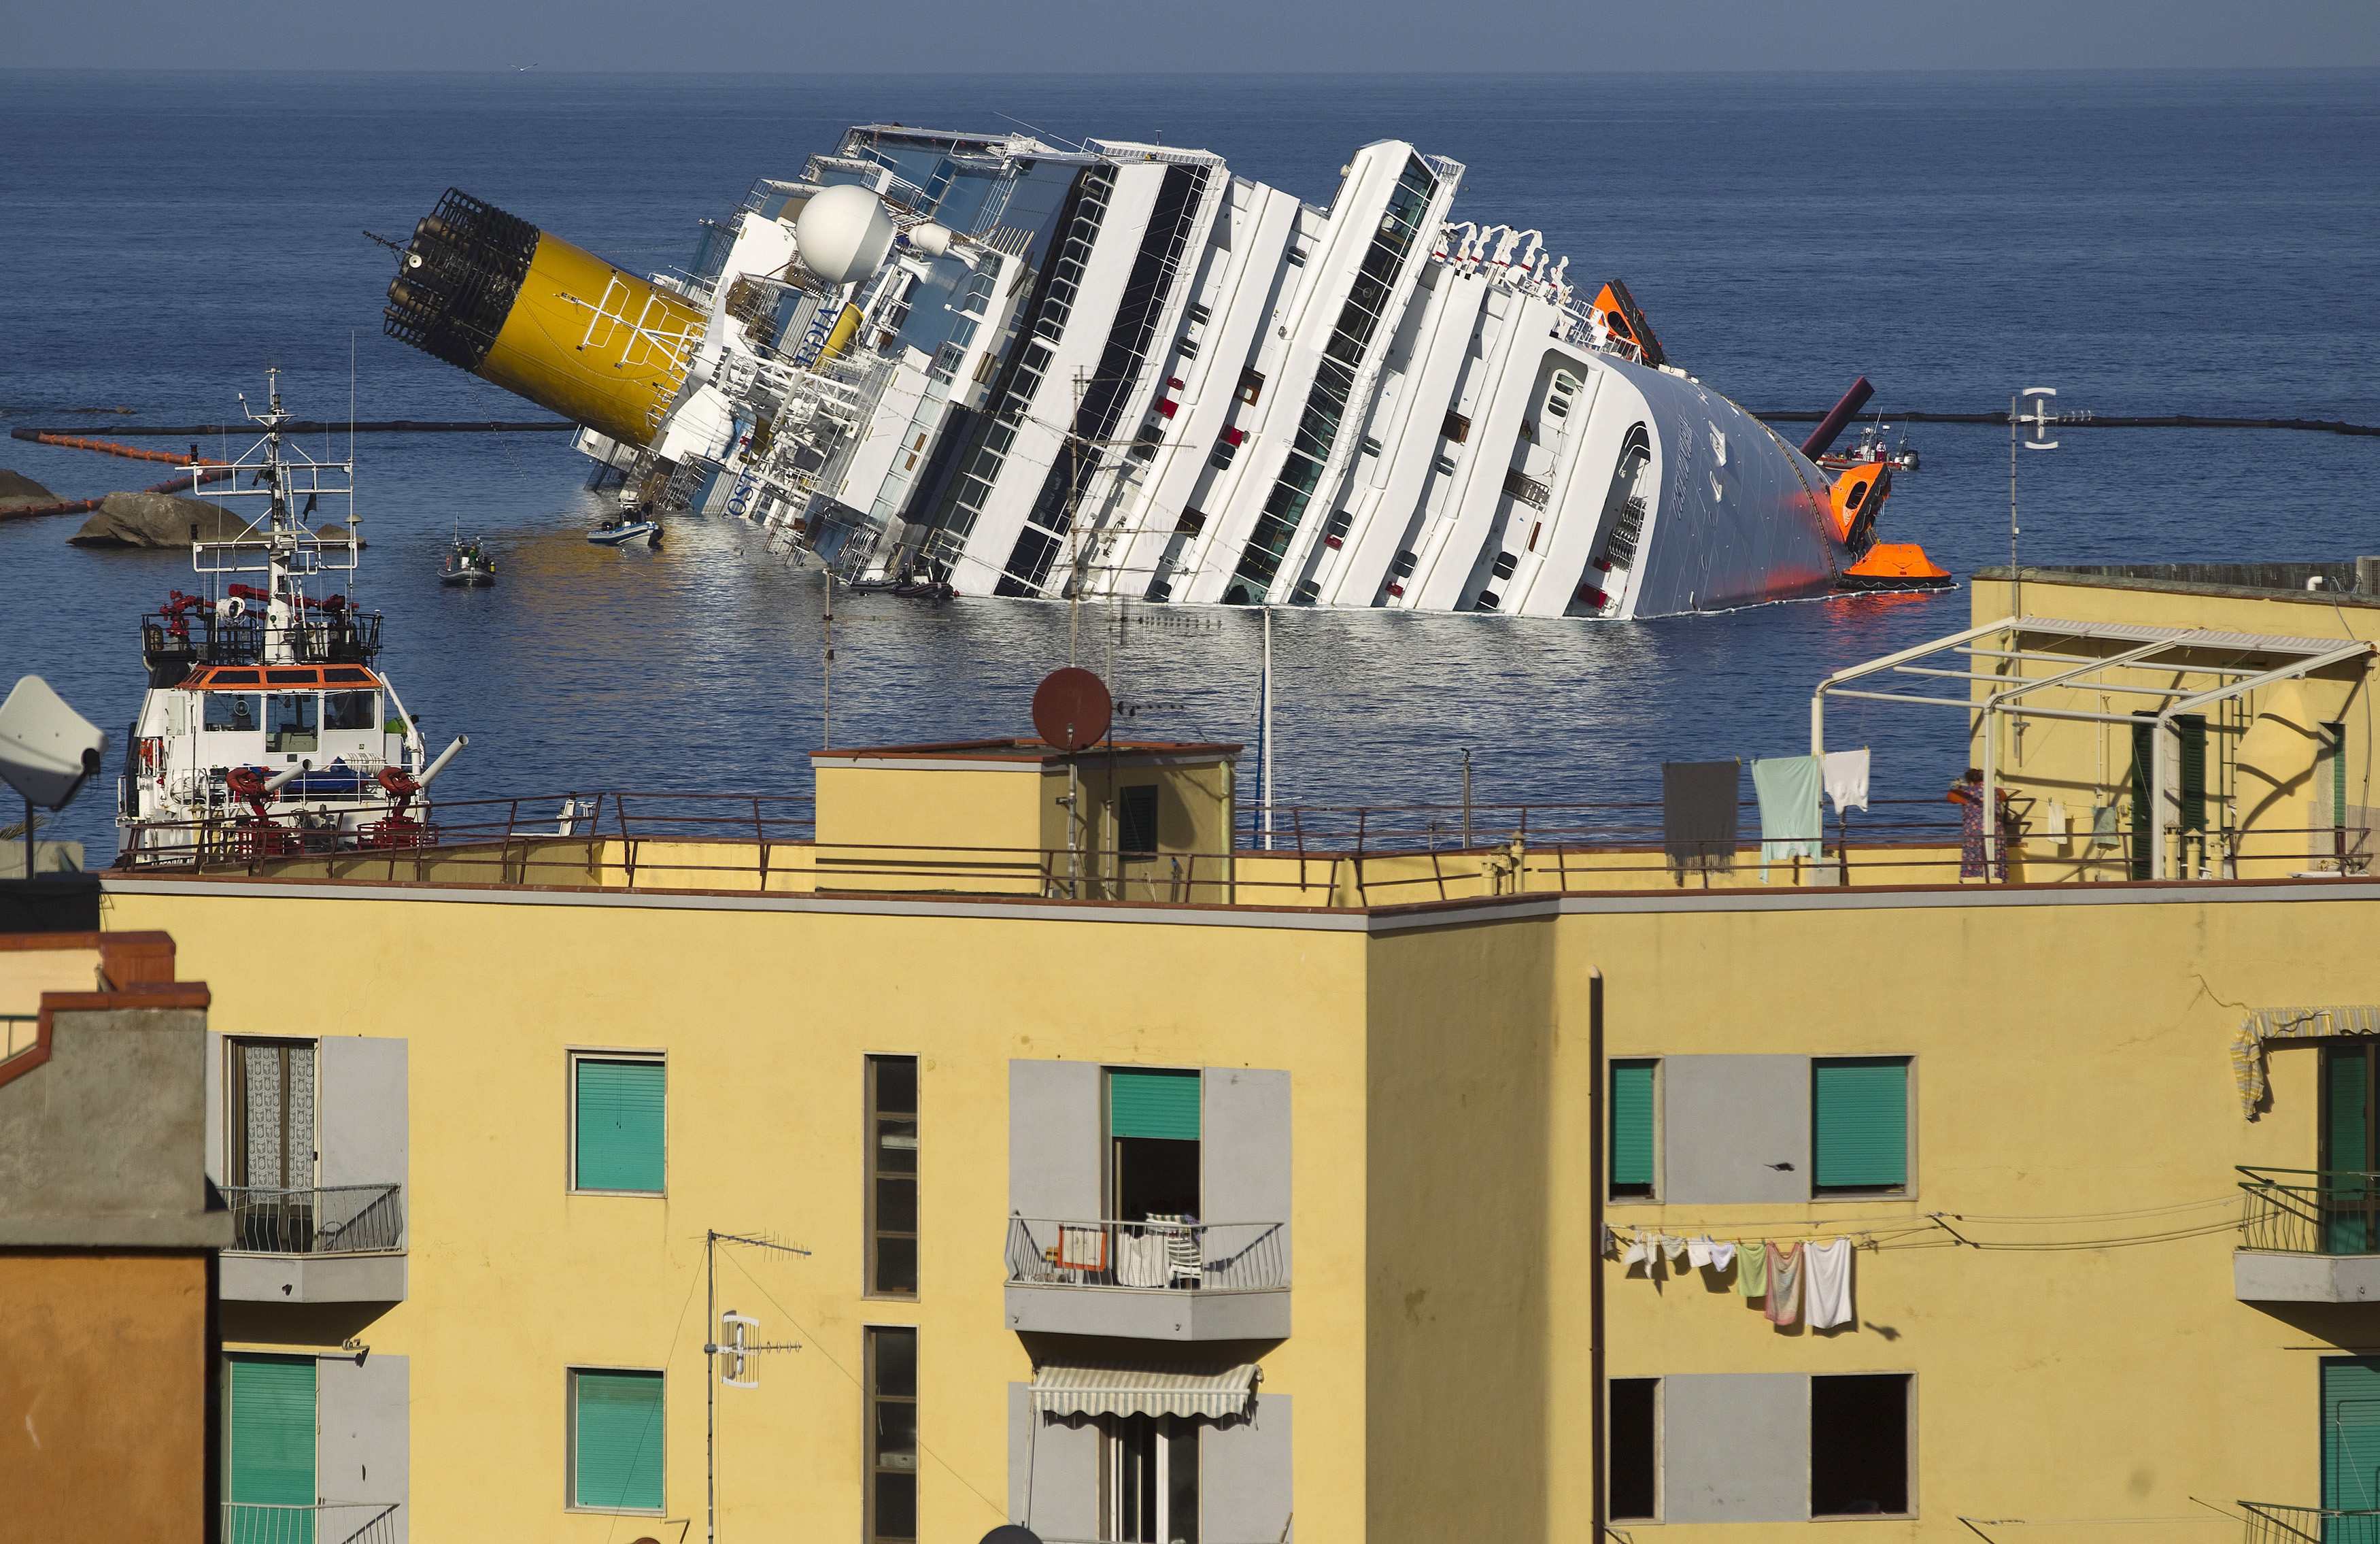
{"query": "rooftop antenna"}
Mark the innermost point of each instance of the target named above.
(1995, 839)
(735, 1340)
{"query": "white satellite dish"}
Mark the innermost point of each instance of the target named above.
(47, 750)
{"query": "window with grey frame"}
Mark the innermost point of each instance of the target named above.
(1136, 820)
(1149, 1479)
(1632, 1449)
(271, 1166)
(893, 1176)
(892, 1498)
(1859, 1445)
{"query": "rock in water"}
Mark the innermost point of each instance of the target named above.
(19, 491)
(165, 520)
(154, 520)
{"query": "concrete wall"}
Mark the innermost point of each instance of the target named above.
(2077, 1109)
(107, 1143)
(1458, 1076)
(511, 1279)
(2073, 1105)
(1735, 1448)
(1734, 1128)
(1054, 1471)
(364, 1418)
(361, 1110)
(104, 1394)
(1243, 1150)
(1245, 1479)
(1055, 1145)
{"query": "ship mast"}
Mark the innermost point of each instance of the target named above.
(285, 612)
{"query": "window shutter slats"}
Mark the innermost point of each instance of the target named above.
(1631, 1124)
(1859, 1123)
(272, 1430)
(618, 1441)
(619, 1126)
(1153, 1104)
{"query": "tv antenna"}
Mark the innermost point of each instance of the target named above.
(733, 1339)
(2042, 419)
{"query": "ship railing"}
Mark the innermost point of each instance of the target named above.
(2271, 1522)
(316, 1220)
(1154, 1254)
(1302, 855)
(309, 1523)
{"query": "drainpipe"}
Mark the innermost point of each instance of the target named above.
(1597, 1383)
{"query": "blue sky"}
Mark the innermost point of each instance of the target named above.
(1217, 35)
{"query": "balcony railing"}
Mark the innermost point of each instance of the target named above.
(1150, 1256)
(2311, 1211)
(2269, 1524)
(325, 1219)
(322, 1522)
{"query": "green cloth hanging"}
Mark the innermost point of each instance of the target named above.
(1752, 1268)
(1791, 823)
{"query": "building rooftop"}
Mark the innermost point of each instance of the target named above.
(1026, 749)
(2345, 582)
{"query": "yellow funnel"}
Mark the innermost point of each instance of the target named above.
(491, 294)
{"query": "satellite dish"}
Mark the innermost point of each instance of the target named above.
(1010, 1532)
(47, 750)
(1072, 708)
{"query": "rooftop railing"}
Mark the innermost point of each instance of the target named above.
(321, 1219)
(2311, 1211)
(1304, 856)
(1153, 1256)
(321, 1523)
(2271, 1524)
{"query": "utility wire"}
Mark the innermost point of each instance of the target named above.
(812, 1341)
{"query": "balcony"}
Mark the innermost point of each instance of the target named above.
(2269, 1524)
(1150, 1280)
(322, 1522)
(335, 1244)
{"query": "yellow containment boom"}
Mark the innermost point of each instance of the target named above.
(491, 294)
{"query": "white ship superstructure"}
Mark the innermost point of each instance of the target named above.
(1013, 368)
(268, 728)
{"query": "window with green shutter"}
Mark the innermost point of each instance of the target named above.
(1859, 1124)
(269, 1440)
(2351, 1439)
(1153, 1104)
(1631, 1128)
(2348, 1209)
(616, 1440)
(616, 1128)
(2190, 730)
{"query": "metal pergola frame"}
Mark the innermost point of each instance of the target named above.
(2145, 645)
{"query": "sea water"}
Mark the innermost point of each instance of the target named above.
(2149, 243)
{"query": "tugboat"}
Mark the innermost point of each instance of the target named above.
(268, 729)
(620, 532)
(467, 565)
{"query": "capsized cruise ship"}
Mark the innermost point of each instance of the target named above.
(989, 365)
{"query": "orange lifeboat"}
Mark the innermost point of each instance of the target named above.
(1891, 566)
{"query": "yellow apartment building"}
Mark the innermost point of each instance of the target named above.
(1380, 1187)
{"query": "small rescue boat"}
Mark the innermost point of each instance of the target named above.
(619, 533)
(467, 563)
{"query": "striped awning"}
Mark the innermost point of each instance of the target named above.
(2289, 1024)
(1081, 1391)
